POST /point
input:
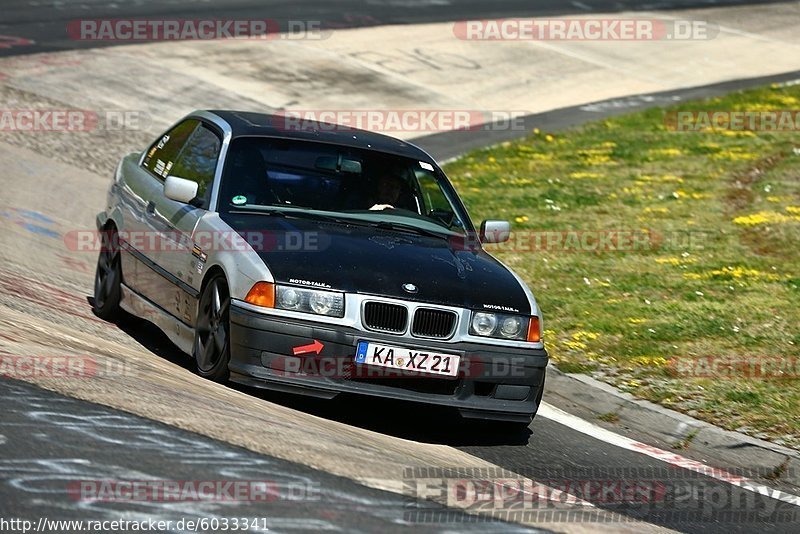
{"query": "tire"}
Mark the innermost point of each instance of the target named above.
(107, 278)
(211, 349)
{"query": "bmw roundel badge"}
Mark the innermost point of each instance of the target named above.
(410, 288)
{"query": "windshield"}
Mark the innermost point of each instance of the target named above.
(262, 174)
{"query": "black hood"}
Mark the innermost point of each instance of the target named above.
(374, 261)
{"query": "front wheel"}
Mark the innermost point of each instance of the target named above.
(212, 331)
(107, 278)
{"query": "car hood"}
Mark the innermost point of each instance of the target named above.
(367, 260)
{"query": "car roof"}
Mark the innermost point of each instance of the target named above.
(248, 124)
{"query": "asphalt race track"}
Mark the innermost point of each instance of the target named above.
(332, 465)
(61, 440)
(44, 22)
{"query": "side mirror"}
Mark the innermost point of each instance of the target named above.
(180, 189)
(495, 231)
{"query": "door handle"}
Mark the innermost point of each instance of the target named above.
(150, 210)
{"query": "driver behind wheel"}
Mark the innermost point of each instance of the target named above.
(391, 192)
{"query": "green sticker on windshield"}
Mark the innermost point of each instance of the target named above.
(239, 200)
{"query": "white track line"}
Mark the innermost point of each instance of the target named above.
(590, 429)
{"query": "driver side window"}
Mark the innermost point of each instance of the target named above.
(198, 161)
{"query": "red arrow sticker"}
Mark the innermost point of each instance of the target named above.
(316, 346)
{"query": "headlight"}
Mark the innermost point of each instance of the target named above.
(484, 324)
(288, 298)
(324, 303)
(500, 325)
(310, 301)
(510, 327)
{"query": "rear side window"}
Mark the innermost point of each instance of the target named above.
(161, 156)
(198, 159)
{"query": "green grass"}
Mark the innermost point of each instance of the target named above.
(718, 273)
(685, 441)
(609, 417)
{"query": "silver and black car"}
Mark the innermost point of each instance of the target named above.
(318, 261)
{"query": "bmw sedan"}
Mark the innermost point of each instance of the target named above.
(318, 260)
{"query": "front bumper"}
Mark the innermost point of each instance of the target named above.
(494, 382)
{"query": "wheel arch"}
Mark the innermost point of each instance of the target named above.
(214, 270)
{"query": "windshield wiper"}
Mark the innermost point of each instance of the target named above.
(387, 225)
(297, 214)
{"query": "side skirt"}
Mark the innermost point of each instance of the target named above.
(176, 330)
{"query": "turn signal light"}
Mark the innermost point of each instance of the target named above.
(262, 294)
(534, 330)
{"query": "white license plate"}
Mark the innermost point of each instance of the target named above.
(421, 361)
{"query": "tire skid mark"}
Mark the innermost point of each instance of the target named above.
(46, 295)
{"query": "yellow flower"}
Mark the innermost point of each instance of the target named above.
(536, 131)
(675, 261)
(575, 345)
(764, 217)
(549, 138)
(734, 154)
(581, 335)
(491, 159)
(581, 175)
(521, 219)
(649, 361)
(728, 273)
(666, 152)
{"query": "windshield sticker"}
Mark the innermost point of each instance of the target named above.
(426, 166)
(239, 200)
(159, 170)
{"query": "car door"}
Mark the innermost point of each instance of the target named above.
(142, 182)
(180, 259)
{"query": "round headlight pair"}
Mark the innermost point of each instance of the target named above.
(309, 301)
(292, 299)
(490, 324)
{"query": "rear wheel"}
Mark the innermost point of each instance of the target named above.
(108, 277)
(212, 331)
